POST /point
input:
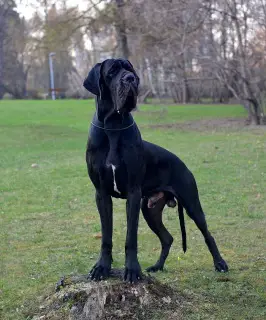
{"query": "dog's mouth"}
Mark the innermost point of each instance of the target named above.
(127, 99)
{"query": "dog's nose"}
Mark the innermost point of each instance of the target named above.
(129, 78)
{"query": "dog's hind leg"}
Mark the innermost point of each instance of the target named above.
(153, 216)
(196, 213)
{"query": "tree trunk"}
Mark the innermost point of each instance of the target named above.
(123, 50)
(2, 36)
(253, 112)
(77, 298)
(185, 90)
(247, 89)
(1, 65)
(149, 71)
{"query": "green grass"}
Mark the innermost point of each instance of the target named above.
(49, 221)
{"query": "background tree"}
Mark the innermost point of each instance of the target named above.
(188, 51)
(13, 68)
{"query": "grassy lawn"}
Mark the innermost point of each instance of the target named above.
(49, 222)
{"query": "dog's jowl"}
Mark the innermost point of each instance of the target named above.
(122, 165)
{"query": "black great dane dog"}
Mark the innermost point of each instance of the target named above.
(122, 165)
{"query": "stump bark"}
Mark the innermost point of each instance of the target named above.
(77, 298)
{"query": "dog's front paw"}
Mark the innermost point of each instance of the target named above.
(132, 273)
(221, 266)
(100, 271)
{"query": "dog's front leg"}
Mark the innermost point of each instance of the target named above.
(102, 268)
(132, 267)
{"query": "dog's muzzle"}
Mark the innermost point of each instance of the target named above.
(127, 93)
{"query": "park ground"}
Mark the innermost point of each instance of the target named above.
(49, 225)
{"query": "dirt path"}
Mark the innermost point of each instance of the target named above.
(221, 124)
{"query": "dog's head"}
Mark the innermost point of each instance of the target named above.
(114, 80)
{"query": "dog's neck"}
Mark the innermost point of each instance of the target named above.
(109, 119)
(113, 125)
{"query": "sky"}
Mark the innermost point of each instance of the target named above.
(27, 8)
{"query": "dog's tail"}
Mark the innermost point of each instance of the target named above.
(182, 226)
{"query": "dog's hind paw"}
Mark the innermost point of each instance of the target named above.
(155, 268)
(221, 266)
(99, 272)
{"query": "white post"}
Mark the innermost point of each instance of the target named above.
(51, 54)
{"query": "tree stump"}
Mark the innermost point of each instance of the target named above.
(77, 298)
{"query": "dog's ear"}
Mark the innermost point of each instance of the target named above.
(94, 81)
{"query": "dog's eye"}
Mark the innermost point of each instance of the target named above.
(112, 72)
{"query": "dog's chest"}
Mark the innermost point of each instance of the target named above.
(116, 180)
(113, 161)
